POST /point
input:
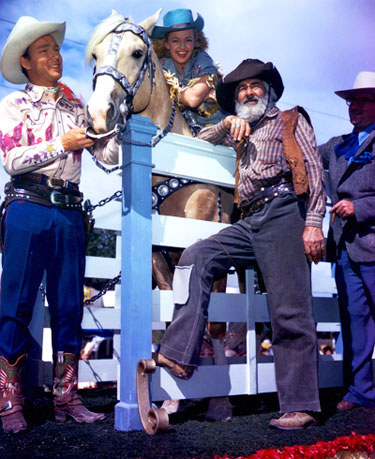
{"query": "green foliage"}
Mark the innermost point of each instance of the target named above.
(102, 243)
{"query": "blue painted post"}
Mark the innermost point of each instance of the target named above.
(136, 253)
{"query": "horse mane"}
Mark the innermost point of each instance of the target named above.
(102, 30)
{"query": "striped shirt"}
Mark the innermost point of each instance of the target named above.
(263, 159)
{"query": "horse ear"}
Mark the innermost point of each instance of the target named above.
(149, 23)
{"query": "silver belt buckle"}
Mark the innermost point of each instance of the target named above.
(58, 198)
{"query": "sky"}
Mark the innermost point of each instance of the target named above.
(318, 46)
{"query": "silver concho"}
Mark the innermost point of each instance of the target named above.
(154, 199)
(174, 183)
(163, 190)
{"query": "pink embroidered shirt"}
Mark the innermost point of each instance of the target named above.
(32, 123)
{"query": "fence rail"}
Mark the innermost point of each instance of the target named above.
(132, 323)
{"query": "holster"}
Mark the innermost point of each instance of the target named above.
(88, 221)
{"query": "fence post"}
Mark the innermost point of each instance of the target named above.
(136, 262)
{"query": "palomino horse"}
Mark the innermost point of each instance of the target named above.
(128, 79)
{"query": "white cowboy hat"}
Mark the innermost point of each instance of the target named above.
(364, 84)
(24, 33)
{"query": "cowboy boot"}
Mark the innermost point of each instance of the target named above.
(11, 401)
(67, 402)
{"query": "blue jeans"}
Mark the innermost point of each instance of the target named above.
(40, 239)
(356, 289)
(273, 235)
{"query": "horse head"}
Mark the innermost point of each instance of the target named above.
(124, 75)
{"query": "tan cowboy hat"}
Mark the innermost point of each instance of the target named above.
(364, 84)
(24, 33)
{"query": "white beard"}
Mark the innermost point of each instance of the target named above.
(251, 113)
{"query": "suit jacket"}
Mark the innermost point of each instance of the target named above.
(355, 183)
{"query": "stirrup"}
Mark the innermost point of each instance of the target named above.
(153, 419)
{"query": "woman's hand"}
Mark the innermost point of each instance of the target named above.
(194, 96)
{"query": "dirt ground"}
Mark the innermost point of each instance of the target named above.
(189, 434)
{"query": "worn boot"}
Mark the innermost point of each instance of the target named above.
(67, 401)
(11, 401)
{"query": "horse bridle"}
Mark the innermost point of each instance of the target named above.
(110, 70)
(130, 90)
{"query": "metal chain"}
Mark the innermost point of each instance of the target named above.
(115, 280)
(155, 140)
(100, 327)
(104, 201)
(108, 286)
(119, 129)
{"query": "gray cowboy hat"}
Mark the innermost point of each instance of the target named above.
(363, 84)
(24, 33)
(176, 20)
(249, 68)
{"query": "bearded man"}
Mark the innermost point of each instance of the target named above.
(282, 205)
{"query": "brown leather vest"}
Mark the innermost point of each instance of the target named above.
(292, 151)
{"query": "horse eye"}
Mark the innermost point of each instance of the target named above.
(137, 54)
(94, 56)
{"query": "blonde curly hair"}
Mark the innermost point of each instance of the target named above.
(201, 44)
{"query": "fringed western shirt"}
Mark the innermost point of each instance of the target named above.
(32, 123)
(263, 159)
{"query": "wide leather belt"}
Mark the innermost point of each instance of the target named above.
(263, 196)
(43, 190)
(42, 179)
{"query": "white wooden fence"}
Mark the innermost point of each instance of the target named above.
(180, 156)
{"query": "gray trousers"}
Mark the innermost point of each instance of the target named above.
(273, 235)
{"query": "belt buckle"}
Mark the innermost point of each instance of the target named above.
(55, 198)
(53, 182)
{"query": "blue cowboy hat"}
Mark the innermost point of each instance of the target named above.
(176, 20)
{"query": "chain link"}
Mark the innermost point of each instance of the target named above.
(108, 286)
(113, 281)
(156, 139)
(104, 201)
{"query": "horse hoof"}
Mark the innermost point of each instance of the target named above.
(219, 409)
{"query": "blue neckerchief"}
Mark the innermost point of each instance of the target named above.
(351, 144)
(348, 147)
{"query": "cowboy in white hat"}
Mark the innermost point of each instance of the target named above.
(350, 160)
(42, 132)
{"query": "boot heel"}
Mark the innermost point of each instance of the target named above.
(60, 416)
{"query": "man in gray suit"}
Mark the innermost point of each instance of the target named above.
(351, 238)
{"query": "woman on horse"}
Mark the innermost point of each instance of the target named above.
(190, 72)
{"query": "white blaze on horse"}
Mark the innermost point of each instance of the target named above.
(128, 79)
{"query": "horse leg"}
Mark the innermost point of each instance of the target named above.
(163, 278)
(220, 408)
(161, 272)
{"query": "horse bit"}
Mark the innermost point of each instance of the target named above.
(126, 108)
